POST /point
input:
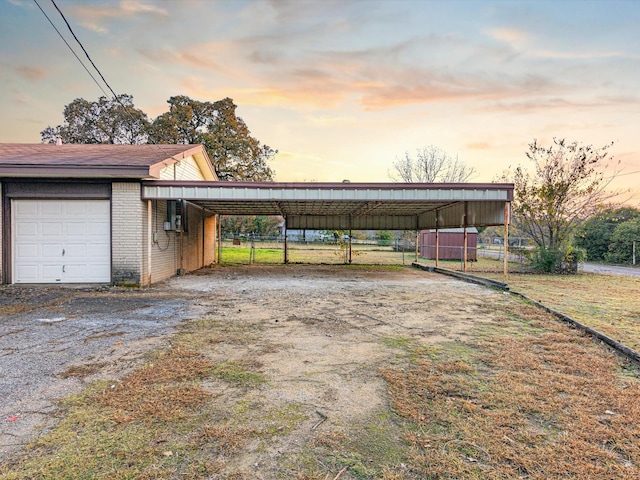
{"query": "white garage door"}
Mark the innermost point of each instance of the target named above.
(61, 241)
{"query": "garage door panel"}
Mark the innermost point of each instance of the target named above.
(75, 272)
(100, 252)
(75, 250)
(77, 229)
(26, 229)
(51, 273)
(50, 207)
(43, 229)
(26, 208)
(99, 229)
(27, 251)
(51, 229)
(28, 272)
(52, 250)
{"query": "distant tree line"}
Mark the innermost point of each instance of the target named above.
(609, 235)
(235, 154)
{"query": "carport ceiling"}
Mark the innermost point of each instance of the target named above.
(358, 206)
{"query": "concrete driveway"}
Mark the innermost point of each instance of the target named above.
(611, 269)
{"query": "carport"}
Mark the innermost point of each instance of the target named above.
(350, 206)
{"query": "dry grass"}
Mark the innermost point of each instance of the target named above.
(538, 406)
(152, 424)
(608, 303)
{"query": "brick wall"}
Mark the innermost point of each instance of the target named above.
(128, 233)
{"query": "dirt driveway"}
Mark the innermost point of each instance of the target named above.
(320, 334)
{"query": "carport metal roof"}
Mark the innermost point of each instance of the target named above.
(342, 206)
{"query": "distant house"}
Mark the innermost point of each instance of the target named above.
(75, 214)
(450, 244)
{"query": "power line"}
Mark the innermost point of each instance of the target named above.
(70, 48)
(115, 96)
(87, 54)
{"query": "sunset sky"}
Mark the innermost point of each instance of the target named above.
(343, 88)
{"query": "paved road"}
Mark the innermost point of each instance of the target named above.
(611, 269)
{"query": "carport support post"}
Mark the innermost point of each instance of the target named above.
(350, 237)
(417, 242)
(286, 246)
(464, 243)
(219, 239)
(437, 240)
(506, 241)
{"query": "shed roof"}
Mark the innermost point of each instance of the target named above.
(96, 160)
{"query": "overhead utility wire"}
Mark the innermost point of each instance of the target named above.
(86, 53)
(70, 48)
(116, 98)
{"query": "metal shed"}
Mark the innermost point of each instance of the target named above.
(448, 244)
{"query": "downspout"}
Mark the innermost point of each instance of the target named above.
(149, 242)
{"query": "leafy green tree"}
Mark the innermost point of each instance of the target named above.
(234, 153)
(621, 246)
(115, 121)
(385, 237)
(595, 234)
(258, 225)
(567, 185)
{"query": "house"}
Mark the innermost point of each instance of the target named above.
(75, 214)
(450, 244)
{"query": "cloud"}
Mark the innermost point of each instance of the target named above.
(479, 146)
(31, 73)
(512, 36)
(95, 17)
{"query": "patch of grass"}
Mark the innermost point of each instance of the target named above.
(238, 374)
(282, 420)
(398, 342)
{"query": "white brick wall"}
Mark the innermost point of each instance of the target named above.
(128, 233)
(185, 169)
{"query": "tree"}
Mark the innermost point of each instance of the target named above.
(595, 234)
(621, 246)
(114, 121)
(258, 225)
(234, 153)
(430, 165)
(567, 185)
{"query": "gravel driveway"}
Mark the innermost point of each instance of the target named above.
(303, 322)
(53, 338)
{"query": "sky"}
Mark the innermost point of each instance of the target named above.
(344, 88)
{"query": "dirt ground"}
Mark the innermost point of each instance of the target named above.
(319, 334)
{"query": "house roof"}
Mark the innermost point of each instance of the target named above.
(96, 160)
